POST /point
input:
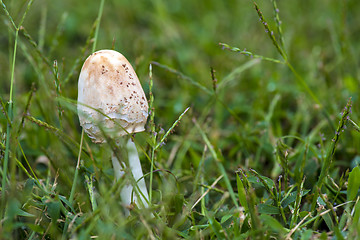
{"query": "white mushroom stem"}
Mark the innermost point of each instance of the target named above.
(135, 167)
(110, 94)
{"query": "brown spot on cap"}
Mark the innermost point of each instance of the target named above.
(102, 83)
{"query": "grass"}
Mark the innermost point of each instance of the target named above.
(253, 129)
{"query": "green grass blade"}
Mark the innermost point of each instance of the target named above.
(353, 184)
(273, 224)
(270, 32)
(331, 151)
(241, 193)
(249, 54)
(171, 129)
(215, 226)
(101, 9)
(278, 24)
(218, 163)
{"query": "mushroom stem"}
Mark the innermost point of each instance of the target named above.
(135, 167)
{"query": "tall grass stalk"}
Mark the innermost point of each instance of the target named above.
(101, 9)
(10, 106)
(152, 130)
(331, 151)
(278, 23)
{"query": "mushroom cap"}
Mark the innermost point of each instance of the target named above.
(109, 95)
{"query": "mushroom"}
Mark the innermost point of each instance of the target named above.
(110, 95)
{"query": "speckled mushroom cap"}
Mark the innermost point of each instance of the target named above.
(108, 84)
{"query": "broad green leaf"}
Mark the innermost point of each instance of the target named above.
(339, 234)
(195, 227)
(266, 182)
(36, 228)
(29, 184)
(268, 209)
(64, 200)
(53, 208)
(323, 236)
(215, 225)
(353, 183)
(356, 220)
(328, 220)
(241, 193)
(225, 218)
(292, 197)
(273, 223)
(306, 235)
(245, 227)
(14, 209)
(175, 207)
(321, 202)
(355, 162)
(303, 214)
(22, 213)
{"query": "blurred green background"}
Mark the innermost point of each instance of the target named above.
(321, 39)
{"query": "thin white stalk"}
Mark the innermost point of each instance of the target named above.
(135, 167)
(136, 170)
